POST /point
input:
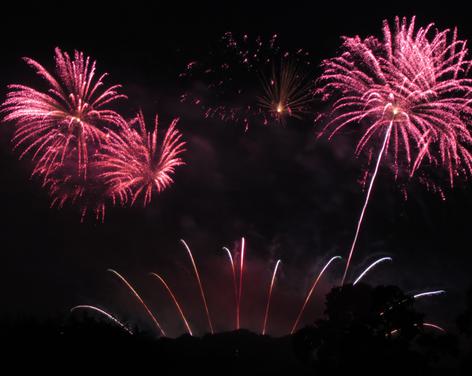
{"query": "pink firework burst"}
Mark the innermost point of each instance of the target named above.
(410, 90)
(132, 162)
(72, 115)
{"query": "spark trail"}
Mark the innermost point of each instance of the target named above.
(315, 283)
(366, 202)
(240, 292)
(176, 302)
(104, 313)
(266, 315)
(138, 297)
(370, 267)
(429, 293)
(202, 292)
(235, 283)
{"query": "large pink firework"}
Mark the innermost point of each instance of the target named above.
(70, 117)
(408, 95)
(133, 163)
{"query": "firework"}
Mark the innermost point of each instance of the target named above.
(200, 286)
(174, 298)
(87, 193)
(287, 93)
(240, 291)
(132, 163)
(138, 297)
(235, 284)
(428, 293)
(269, 295)
(251, 80)
(409, 89)
(434, 326)
(416, 296)
(71, 117)
(370, 267)
(105, 314)
(310, 292)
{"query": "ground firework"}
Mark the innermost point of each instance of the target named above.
(70, 117)
(238, 265)
(409, 96)
(133, 163)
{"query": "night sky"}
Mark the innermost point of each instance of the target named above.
(292, 196)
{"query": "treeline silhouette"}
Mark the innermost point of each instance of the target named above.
(365, 330)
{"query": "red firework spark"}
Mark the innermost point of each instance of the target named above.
(71, 116)
(412, 90)
(132, 162)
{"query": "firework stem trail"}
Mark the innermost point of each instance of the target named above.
(269, 297)
(370, 267)
(135, 293)
(235, 284)
(104, 313)
(240, 292)
(315, 283)
(434, 326)
(202, 292)
(369, 191)
(174, 298)
(429, 293)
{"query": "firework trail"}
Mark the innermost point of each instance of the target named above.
(235, 283)
(366, 202)
(174, 298)
(425, 324)
(417, 296)
(429, 293)
(315, 283)
(434, 326)
(70, 118)
(202, 292)
(370, 267)
(128, 285)
(251, 80)
(240, 292)
(132, 163)
(413, 88)
(104, 313)
(266, 315)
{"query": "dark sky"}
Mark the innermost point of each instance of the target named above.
(293, 197)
